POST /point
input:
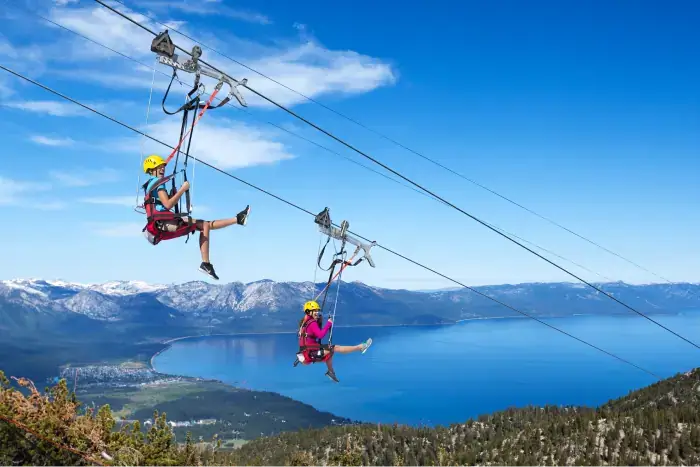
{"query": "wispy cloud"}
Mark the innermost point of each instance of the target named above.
(49, 141)
(126, 201)
(225, 143)
(100, 24)
(17, 193)
(126, 79)
(309, 67)
(6, 90)
(31, 52)
(208, 8)
(83, 177)
(25, 59)
(49, 206)
(314, 70)
(131, 201)
(55, 108)
(12, 191)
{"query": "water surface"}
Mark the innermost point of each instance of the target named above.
(446, 374)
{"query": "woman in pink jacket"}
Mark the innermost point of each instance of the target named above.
(311, 350)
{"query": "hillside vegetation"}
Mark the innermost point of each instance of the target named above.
(656, 425)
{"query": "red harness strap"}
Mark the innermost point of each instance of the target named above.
(154, 217)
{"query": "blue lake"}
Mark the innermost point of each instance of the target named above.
(446, 374)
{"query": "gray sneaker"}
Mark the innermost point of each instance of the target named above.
(366, 344)
(331, 375)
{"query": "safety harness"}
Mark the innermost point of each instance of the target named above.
(164, 47)
(154, 231)
(315, 353)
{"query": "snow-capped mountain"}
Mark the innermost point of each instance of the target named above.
(126, 287)
(92, 304)
(269, 305)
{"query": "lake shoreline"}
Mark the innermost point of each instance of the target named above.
(483, 351)
(168, 342)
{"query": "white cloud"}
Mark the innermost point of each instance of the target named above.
(209, 7)
(6, 90)
(24, 59)
(12, 191)
(126, 80)
(131, 201)
(126, 201)
(31, 52)
(102, 25)
(26, 194)
(48, 141)
(54, 108)
(49, 206)
(309, 68)
(314, 70)
(82, 177)
(221, 142)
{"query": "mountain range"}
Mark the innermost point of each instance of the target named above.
(56, 307)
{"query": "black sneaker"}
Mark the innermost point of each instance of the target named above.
(208, 269)
(332, 376)
(242, 217)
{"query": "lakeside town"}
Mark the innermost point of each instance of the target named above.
(132, 389)
(122, 375)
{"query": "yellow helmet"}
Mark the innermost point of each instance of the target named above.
(152, 162)
(311, 306)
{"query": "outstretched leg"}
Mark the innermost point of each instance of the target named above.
(205, 227)
(345, 349)
(353, 348)
(348, 348)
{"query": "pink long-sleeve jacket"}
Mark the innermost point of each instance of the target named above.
(314, 332)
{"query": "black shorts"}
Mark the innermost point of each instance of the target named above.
(322, 353)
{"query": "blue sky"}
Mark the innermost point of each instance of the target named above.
(588, 113)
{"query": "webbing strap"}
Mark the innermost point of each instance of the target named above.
(320, 255)
(188, 203)
(199, 117)
(345, 264)
(327, 287)
(188, 105)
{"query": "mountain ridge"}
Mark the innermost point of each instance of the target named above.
(158, 310)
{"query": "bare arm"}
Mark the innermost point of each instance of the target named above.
(170, 202)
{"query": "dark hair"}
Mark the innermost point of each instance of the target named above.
(303, 318)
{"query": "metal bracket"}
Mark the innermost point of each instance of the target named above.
(323, 219)
(165, 48)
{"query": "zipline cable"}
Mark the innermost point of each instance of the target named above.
(381, 164)
(230, 104)
(135, 130)
(442, 166)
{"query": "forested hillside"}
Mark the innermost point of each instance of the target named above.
(656, 425)
(659, 424)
